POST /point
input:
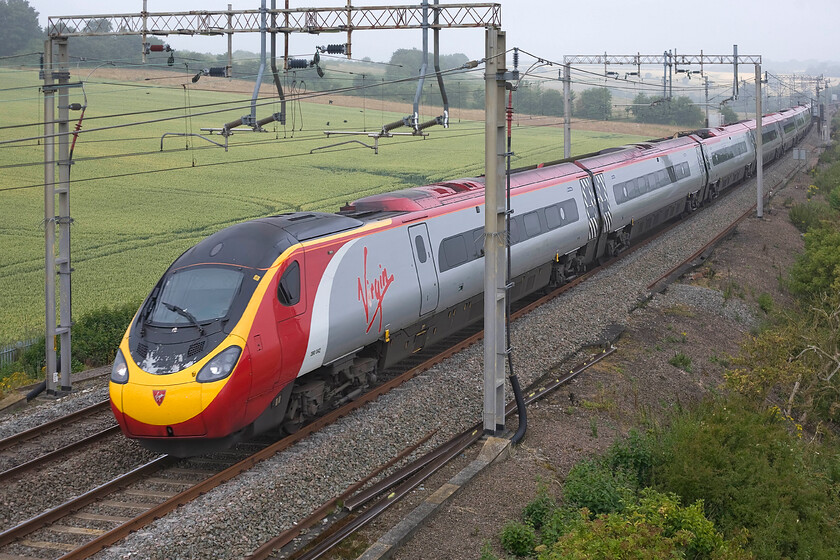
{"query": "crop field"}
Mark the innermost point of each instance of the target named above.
(136, 207)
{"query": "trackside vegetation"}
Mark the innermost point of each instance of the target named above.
(752, 472)
(730, 479)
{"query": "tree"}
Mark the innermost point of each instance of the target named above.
(594, 103)
(19, 29)
(679, 111)
(728, 114)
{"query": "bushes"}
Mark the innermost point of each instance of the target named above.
(817, 270)
(95, 339)
(796, 362)
(606, 515)
(755, 476)
(97, 335)
(753, 488)
(518, 538)
(657, 526)
(810, 215)
(593, 485)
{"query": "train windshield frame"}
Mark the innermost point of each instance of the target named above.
(206, 293)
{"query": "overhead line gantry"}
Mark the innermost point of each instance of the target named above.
(670, 61)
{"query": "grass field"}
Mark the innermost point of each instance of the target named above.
(136, 208)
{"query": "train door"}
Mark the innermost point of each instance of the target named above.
(704, 173)
(425, 266)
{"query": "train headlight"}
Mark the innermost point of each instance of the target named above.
(220, 366)
(119, 371)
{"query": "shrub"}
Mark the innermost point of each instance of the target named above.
(834, 198)
(753, 475)
(97, 335)
(681, 361)
(11, 381)
(810, 215)
(657, 528)
(818, 268)
(829, 178)
(540, 509)
(765, 302)
(32, 360)
(562, 520)
(518, 538)
(633, 455)
(593, 485)
(487, 552)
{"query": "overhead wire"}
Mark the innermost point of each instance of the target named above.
(313, 94)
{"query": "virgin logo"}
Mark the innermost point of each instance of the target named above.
(159, 394)
(371, 293)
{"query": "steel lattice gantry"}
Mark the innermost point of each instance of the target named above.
(679, 59)
(297, 20)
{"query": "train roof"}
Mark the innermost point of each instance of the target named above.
(416, 199)
(437, 195)
(258, 243)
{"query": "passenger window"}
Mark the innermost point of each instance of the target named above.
(553, 217)
(288, 289)
(455, 251)
(532, 224)
(478, 242)
(420, 247)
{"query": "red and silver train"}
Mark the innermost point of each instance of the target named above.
(269, 322)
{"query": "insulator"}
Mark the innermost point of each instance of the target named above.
(298, 63)
(171, 60)
(515, 58)
(217, 72)
(337, 49)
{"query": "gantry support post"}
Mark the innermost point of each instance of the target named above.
(567, 111)
(495, 236)
(49, 218)
(57, 223)
(759, 153)
(64, 220)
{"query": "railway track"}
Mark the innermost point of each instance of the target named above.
(49, 441)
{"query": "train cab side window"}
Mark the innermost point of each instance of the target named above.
(420, 247)
(288, 289)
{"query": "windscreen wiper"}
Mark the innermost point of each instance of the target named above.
(184, 313)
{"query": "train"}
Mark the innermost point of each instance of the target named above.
(268, 323)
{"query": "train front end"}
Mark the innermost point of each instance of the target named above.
(182, 378)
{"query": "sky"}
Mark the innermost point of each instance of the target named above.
(779, 30)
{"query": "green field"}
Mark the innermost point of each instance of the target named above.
(129, 224)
